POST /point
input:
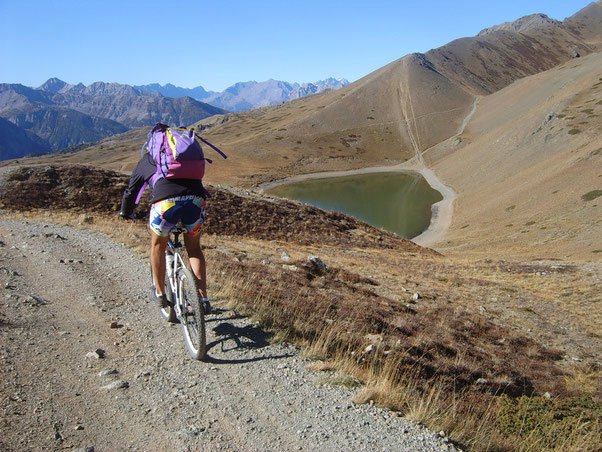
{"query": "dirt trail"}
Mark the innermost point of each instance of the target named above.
(468, 117)
(68, 293)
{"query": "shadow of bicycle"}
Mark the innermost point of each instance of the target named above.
(249, 337)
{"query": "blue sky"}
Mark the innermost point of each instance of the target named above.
(215, 44)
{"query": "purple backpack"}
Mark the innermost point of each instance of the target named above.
(177, 153)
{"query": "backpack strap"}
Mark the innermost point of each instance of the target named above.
(141, 191)
(215, 148)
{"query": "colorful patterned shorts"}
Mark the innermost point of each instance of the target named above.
(165, 214)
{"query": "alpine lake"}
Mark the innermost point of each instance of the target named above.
(399, 202)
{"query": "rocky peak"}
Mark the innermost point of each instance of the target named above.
(53, 85)
(111, 89)
(522, 25)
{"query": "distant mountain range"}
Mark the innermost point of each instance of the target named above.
(58, 115)
(249, 95)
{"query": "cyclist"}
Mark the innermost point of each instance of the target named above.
(172, 200)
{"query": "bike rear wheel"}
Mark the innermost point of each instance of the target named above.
(193, 318)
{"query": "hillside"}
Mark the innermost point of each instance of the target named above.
(525, 164)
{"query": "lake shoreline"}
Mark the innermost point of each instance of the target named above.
(441, 212)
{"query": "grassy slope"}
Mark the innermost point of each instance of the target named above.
(528, 155)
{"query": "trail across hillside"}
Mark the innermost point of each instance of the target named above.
(442, 211)
(87, 362)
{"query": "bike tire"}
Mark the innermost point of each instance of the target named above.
(167, 313)
(193, 317)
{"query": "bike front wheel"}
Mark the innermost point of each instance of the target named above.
(193, 318)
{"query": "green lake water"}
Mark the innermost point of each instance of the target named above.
(397, 202)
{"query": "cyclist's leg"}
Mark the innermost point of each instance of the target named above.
(158, 245)
(197, 261)
(193, 222)
(159, 237)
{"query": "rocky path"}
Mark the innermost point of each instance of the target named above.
(87, 363)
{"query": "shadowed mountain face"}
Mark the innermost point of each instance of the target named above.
(63, 115)
(14, 141)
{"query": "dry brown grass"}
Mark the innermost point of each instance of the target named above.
(417, 378)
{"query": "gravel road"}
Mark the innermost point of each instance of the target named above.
(87, 363)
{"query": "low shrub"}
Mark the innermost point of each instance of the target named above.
(591, 195)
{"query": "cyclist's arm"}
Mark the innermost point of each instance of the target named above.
(142, 173)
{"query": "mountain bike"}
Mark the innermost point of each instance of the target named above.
(183, 295)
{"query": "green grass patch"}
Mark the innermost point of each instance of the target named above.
(591, 195)
(512, 207)
(589, 111)
(574, 131)
(597, 251)
(278, 138)
(561, 116)
(529, 223)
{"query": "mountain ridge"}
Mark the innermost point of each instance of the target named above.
(251, 94)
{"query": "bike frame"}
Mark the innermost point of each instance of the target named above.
(184, 299)
(174, 245)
